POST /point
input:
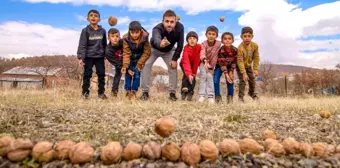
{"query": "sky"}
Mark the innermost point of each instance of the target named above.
(294, 32)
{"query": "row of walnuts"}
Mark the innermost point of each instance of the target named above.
(190, 153)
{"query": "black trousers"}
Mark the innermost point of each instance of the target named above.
(100, 71)
(116, 78)
(187, 84)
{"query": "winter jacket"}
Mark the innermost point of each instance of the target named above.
(136, 50)
(92, 43)
(114, 54)
(191, 59)
(248, 55)
(176, 36)
(210, 52)
(227, 57)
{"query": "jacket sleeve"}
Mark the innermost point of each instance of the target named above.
(146, 54)
(221, 60)
(197, 60)
(156, 38)
(82, 47)
(186, 63)
(104, 41)
(233, 64)
(240, 60)
(256, 57)
(179, 48)
(126, 54)
(202, 52)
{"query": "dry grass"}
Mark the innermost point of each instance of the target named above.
(61, 114)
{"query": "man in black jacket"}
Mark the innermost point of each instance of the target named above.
(91, 52)
(164, 36)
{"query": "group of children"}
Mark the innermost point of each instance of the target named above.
(213, 58)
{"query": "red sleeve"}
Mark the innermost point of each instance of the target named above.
(186, 61)
(197, 59)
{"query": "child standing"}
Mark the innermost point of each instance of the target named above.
(91, 51)
(209, 51)
(114, 54)
(136, 50)
(189, 65)
(248, 62)
(226, 64)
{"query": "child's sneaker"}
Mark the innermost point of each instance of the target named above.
(201, 99)
(102, 96)
(114, 93)
(128, 95)
(134, 94)
(240, 100)
(218, 99)
(189, 98)
(229, 99)
(211, 100)
(85, 96)
(184, 95)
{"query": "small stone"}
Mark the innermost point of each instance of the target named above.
(181, 165)
(310, 163)
(150, 165)
(288, 164)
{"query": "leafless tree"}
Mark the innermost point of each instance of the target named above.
(267, 74)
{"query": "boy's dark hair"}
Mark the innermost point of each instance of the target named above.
(135, 25)
(227, 33)
(212, 28)
(247, 29)
(191, 34)
(113, 31)
(93, 11)
(168, 13)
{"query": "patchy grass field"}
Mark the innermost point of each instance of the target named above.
(61, 114)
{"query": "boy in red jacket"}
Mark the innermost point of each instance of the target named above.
(189, 65)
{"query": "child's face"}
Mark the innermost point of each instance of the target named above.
(114, 38)
(135, 34)
(246, 38)
(93, 18)
(211, 36)
(192, 41)
(227, 40)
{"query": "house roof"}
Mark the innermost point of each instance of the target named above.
(20, 79)
(32, 71)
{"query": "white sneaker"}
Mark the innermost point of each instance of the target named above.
(201, 99)
(211, 100)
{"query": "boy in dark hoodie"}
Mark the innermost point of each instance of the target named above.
(114, 54)
(136, 50)
(91, 51)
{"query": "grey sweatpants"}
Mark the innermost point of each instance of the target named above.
(147, 70)
(206, 88)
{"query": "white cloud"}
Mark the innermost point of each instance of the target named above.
(81, 18)
(125, 20)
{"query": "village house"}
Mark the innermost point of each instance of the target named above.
(33, 78)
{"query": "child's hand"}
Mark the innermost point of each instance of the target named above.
(256, 73)
(211, 71)
(231, 75)
(245, 77)
(123, 71)
(206, 64)
(191, 78)
(81, 62)
(131, 72)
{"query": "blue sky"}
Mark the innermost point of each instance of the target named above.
(275, 22)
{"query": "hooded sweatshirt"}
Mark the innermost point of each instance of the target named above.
(210, 52)
(92, 43)
(191, 59)
(114, 54)
(136, 50)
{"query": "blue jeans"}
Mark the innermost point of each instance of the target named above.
(132, 82)
(217, 76)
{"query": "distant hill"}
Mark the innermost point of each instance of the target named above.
(279, 69)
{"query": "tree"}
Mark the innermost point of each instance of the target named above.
(267, 74)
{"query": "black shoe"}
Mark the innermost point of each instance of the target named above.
(190, 97)
(218, 99)
(85, 95)
(229, 99)
(102, 96)
(114, 93)
(172, 97)
(145, 96)
(255, 98)
(240, 100)
(184, 95)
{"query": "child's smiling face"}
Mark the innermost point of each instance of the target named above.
(211, 36)
(93, 18)
(227, 40)
(192, 41)
(114, 38)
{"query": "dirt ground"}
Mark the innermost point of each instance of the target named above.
(60, 114)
